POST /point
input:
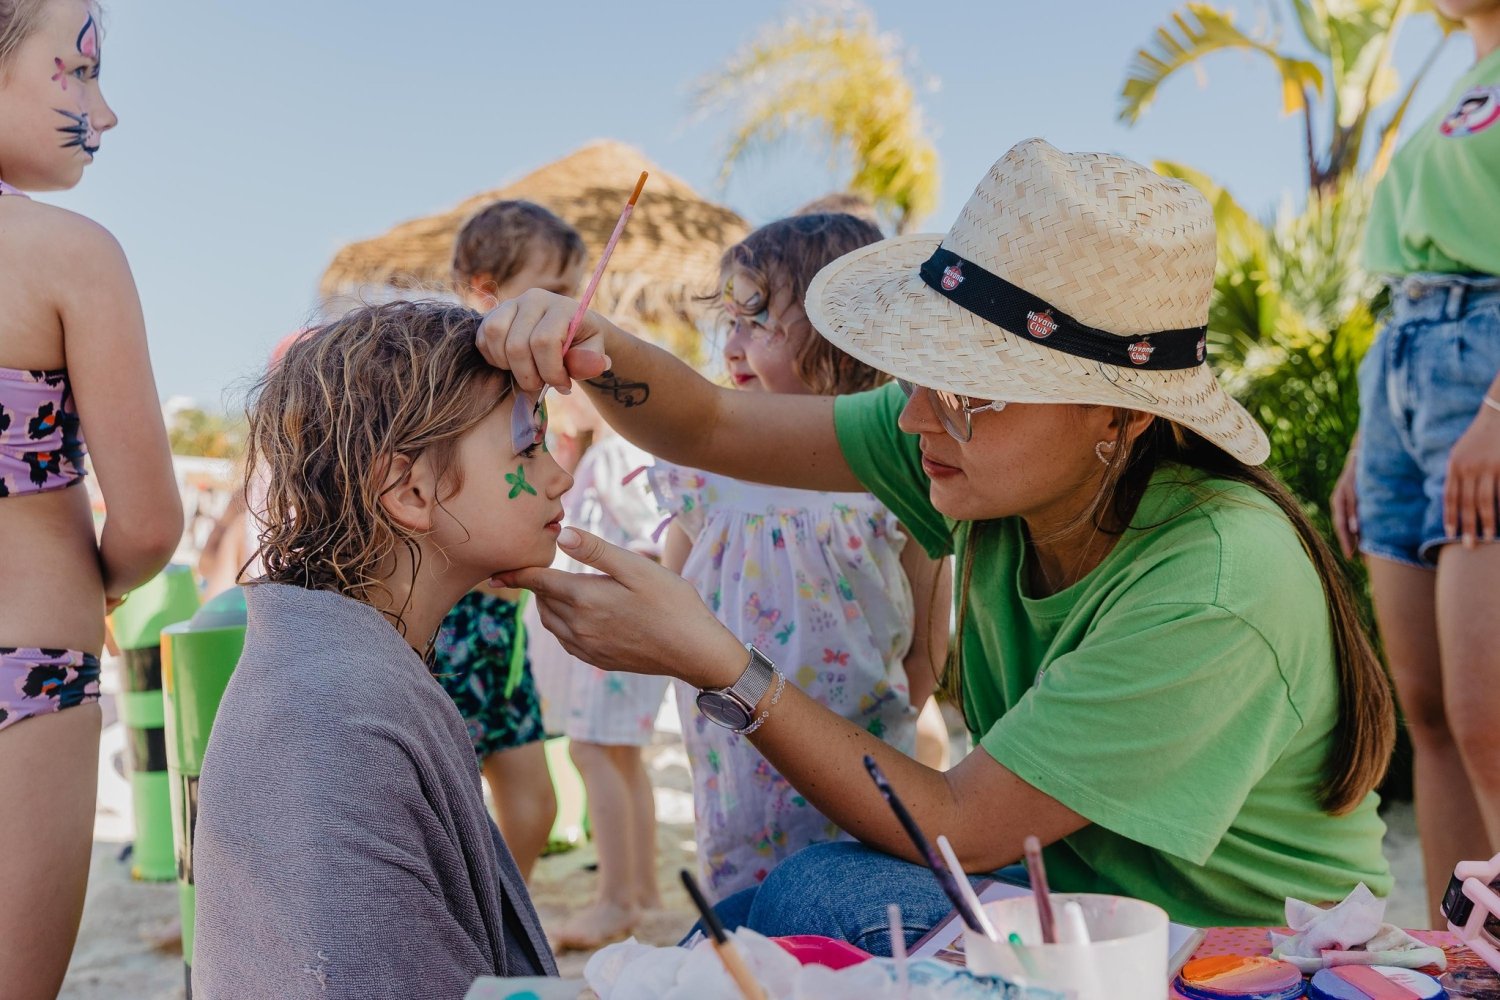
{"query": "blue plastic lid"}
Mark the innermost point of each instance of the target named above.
(223, 611)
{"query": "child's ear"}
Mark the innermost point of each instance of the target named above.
(482, 293)
(408, 492)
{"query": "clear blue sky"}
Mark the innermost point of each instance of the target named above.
(257, 138)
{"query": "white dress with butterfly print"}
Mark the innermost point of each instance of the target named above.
(815, 581)
(612, 498)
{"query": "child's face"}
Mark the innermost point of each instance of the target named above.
(543, 270)
(508, 511)
(52, 112)
(767, 332)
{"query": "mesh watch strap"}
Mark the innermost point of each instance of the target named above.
(756, 679)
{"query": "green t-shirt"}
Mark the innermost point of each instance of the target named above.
(1435, 210)
(1182, 696)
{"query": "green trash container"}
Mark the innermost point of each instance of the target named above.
(170, 597)
(198, 658)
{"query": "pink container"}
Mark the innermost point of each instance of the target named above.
(814, 949)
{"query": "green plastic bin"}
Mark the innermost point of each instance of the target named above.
(198, 658)
(170, 597)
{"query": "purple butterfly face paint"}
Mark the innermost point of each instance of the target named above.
(79, 130)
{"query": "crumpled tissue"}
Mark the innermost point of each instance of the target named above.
(1353, 932)
(630, 970)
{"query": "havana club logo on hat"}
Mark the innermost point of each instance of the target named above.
(953, 276)
(1140, 352)
(1040, 324)
(1202, 347)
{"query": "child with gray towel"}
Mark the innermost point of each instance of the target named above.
(342, 846)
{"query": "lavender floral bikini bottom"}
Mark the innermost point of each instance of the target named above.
(40, 681)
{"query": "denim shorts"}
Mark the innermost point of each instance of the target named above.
(842, 890)
(1420, 387)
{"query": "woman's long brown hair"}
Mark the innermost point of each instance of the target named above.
(1365, 732)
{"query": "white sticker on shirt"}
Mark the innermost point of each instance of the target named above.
(1477, 110)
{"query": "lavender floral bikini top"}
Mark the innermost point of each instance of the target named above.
(41, 443)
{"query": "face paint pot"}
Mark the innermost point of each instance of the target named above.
(1239, 977)
(1373, 982)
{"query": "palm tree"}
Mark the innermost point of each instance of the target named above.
(1349, 76)
(834, 74)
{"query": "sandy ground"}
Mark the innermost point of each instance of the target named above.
(129, 947)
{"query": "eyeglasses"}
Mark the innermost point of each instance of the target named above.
(955, 412)
(528, 421)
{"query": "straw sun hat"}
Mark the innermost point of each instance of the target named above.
(1068, 278)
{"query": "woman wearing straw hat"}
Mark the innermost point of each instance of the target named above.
(1158, 657)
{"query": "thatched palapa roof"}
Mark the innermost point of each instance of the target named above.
(667, 256)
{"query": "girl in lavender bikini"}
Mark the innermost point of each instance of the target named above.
(72, 356)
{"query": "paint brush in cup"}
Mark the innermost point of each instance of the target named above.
(734, 962)
(898, 949)
(1074, 929)
(1038, 872)
(1022, 955)
(946, 879)
(961, 879)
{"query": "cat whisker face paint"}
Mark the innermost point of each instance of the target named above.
(79, 132)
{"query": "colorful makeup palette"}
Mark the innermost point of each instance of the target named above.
(1373, 982)
(1239, 977)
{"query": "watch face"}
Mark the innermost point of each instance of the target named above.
(720, 708)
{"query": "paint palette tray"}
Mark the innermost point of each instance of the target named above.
(1373, 982)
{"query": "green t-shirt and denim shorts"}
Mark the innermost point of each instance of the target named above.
(1432, 233)
(1182, 696)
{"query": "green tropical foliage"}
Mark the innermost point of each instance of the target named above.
(1336, 91)
(833, 74)
(1293, 312)
(192, 431)
(1292, 315)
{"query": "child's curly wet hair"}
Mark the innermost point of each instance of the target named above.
(404, 378)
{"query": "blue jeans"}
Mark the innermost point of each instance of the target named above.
(841, 890)
(1420, 387)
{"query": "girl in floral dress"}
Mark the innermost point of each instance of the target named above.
(825, 583)
(609, 716)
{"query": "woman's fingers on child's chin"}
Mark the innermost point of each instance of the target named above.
(540, 580)
(620, 564)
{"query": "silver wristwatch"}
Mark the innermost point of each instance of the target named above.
(733, 707)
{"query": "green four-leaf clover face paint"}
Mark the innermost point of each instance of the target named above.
(518, 483)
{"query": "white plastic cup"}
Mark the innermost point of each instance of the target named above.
(1126, 958)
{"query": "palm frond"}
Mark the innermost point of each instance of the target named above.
(835, 76)
(1390, 130)
(1195, 31)
(1312, 16)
